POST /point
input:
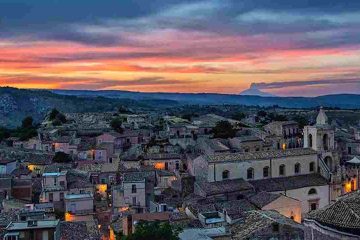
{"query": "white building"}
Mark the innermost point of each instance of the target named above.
(254, 166)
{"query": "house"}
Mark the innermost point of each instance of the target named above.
(65, 144)
(54, 188)
(164, 179)
(211, 146)
(135, 191)
(33, 229)
(247, 143)
(22, 189)
(7, 166)
(78, 207)
(284, 134)
(286, 206)
(312, 190)
(164, 161)
(267, 225)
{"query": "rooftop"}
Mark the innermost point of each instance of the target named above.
(255, 221)
(233, 157)
(226, 186)
(78, 196)
(288, 183)
(261, 199)
(16, 226)
(137, 176)
(54, 174)
(343, 215)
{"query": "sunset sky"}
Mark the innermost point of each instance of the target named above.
(288, 47)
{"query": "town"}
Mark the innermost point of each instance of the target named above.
(256, 174)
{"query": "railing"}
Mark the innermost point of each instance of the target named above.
(324, 169)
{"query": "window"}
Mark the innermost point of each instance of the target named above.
(297, 169)
(310, 141)
(61, 196)
(51, 197)
(177, 165)
(349, 150)
(134, 201)
(55, 181)
(266, 172)
(250, 173)
(133, 188)
(312, 191)
(312, 167)
(313, 206)
(225, 174)
(326, 142)
(282, 170)
(275, 227)
(62, 183)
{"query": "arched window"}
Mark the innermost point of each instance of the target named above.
(225, 174)
(250, 173)
(310, 141)
(282, 170)
(312, 191)
(312, 167)
(297, 168)
(266, 172)
(326, 142)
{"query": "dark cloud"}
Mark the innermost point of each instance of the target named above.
(287, 84)
(54, 20)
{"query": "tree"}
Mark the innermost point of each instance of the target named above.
(277, 117)
(61, 157)
(154, 230)
(27, 129)
(4, 133)
(57, 117)
(301, 120)
(239, 116)
(224, 129)
(54, 112)
(61, 118)
(123, 110)
(116, 124)
(27, 122)
(261, 113)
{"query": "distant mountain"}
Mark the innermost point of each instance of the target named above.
(347, 101)
(15, 104)
(254, 91)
